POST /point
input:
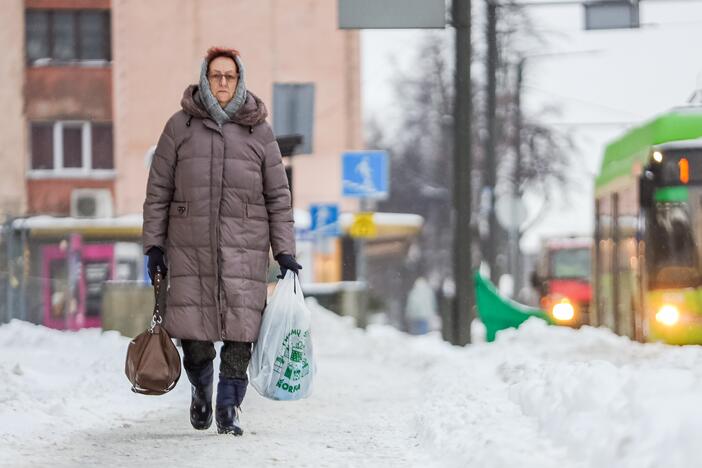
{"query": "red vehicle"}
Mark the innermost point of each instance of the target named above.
(562, 279)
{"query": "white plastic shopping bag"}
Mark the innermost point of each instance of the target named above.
(282, 364)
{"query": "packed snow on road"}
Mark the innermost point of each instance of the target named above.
(539, 396)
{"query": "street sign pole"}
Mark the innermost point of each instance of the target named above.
(365, 176)
(362, 274)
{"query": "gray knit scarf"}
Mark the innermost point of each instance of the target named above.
(210, 103)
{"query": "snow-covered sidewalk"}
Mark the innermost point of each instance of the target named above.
(538, 397)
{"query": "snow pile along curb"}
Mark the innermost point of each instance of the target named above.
(611, 401)
(55, 382)
(540, 396)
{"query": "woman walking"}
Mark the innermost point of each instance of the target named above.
(217, 200)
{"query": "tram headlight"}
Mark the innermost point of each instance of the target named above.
(563, 311)
(668, 315)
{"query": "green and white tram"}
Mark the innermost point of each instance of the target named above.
(648, 231)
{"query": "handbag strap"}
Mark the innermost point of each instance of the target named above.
(157, 317)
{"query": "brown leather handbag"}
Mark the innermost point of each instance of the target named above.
(153, 362)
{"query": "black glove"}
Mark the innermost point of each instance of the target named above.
(287, 262)
(156, 262)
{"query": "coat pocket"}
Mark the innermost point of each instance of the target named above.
(178, 209)
(256, 212)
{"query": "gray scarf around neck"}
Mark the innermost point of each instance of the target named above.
(210, 103)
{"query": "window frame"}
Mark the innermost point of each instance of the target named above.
(61, 172)
(77, 18)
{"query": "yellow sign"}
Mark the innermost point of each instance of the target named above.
(363, 226)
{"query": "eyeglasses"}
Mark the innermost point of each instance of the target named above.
(217, 78)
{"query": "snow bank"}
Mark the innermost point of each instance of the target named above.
(611, 401)
(56, 382)
(539, 396)
(466, 417)
(554, 397)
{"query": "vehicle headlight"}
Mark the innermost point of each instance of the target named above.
(668, 315)
(563, 311)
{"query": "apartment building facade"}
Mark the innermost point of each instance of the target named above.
(89, 84)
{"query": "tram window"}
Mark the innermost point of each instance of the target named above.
(675, 260)
(671, 171)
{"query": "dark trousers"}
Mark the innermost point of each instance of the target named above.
(234, 357)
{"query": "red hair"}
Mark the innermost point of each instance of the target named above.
(214, 52)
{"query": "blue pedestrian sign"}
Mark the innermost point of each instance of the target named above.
(325, 219)
(365, 174)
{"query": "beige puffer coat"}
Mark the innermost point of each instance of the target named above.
(217, 200)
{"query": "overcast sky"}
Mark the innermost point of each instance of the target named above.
(603, 82)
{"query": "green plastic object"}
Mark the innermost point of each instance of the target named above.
(497, 312)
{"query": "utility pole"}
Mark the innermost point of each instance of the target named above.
(491, 137)
(517, 192)
(462, 255)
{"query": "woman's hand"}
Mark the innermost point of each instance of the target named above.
(156, 262)
(287, 262)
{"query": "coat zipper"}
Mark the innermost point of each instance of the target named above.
(222, 329)
(219, 286)
(215, 251)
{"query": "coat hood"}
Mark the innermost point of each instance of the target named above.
(252, 112)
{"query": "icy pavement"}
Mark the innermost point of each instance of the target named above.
(538, 397)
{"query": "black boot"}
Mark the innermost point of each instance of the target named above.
(230, 394)
(201, 391)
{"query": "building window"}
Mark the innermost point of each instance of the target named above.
(55, 37)
(42, 146)
(102, 146)
(293, 112)
(72, 146)
(64, 36)
(94, 31)
(71, 149)
(37, 30)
